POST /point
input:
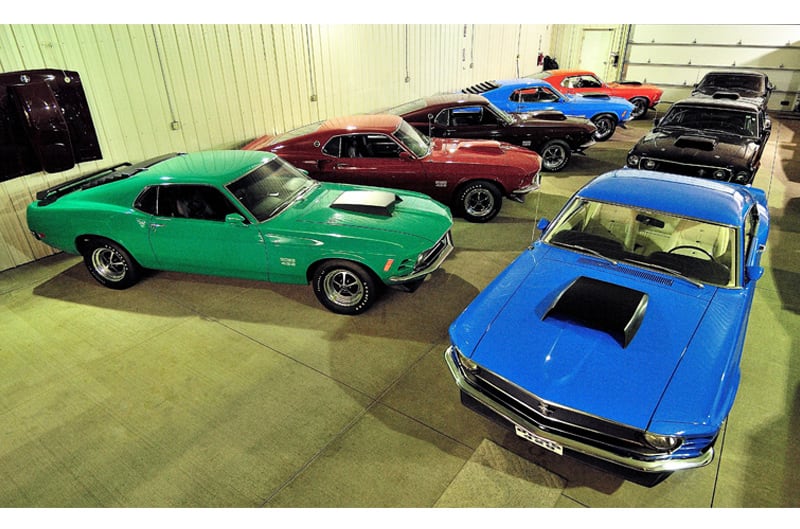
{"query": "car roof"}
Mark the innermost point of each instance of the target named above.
(486, 86)
(685, 196)
(450, 99)
(386, 123)
(212, 167)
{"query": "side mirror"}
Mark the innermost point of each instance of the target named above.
(754, 273)
(405, 155)
(236, 219)
(767, 124)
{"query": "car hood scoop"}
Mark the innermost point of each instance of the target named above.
(375, 202)
(696, 142)
(474, 146)
(602, 306)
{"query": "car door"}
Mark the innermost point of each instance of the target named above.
(468, 122)
(196, 229)
(372, 159)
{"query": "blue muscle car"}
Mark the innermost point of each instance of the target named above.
(519, 96)
(618, 334)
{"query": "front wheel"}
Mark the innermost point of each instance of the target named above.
(344, 287)
(606, 125)
(640, 106)
(479, 201)
(111, 265)
(555, 155)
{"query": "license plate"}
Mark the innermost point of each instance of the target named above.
(547, 444)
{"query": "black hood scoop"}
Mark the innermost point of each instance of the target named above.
(367, 201)
(602, 306)
(696, 142)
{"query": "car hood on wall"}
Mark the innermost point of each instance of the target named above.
(697, 147)
(582, 365)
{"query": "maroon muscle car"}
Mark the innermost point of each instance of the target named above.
(469, 176)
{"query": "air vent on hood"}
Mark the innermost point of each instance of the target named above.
(372, 202)
(695, 142)
(603, 306)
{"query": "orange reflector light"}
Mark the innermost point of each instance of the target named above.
(388, 265)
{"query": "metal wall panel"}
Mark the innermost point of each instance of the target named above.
(163, 88)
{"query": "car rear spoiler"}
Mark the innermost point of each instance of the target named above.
(103, 176)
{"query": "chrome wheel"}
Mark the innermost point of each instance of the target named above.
(109, 263)
(480, 201)
(605, 127)
(640, 107)
(555, 156)
(343, 288)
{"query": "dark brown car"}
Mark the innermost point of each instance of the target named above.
(551, 134)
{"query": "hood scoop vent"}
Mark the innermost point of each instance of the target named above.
(371, 202)
(695, 142)
(602, 306)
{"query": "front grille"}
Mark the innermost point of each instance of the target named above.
(568, 423)
(430, 255)
(669, 166)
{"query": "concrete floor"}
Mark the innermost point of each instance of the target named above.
(190, 391)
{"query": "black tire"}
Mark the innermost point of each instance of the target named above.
(641, 105)
(555, 155)
(606, 125)
(110, 264)
(479, 201)
(344, 287)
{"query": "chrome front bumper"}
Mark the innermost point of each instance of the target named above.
(642, 465)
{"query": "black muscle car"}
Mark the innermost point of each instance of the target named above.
(551, 134)
(708, 137)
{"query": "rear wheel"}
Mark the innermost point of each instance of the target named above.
(344, 287)
(555, 155)
(640, 107)
(606, 125)
(479, 201)
(110, 264)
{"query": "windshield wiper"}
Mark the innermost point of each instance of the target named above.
(670, 271)
(292, 200)
(584, 249)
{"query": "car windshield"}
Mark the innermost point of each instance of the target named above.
(414, 140)
(501, 114)
(698, 251)
(270, 188)
(712, 119)
(745, 83)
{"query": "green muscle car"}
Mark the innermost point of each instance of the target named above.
(245, 214)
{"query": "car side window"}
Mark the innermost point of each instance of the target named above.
(147, 201)
(471, 116)
(534, 95)
(443, 118)
(368, 146)
(333, 147)
(198, 202)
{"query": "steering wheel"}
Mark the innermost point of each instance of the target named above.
(690, 247)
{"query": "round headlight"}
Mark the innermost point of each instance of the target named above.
(649, 164)
(742, 177)
(666, 443)
(633, 160)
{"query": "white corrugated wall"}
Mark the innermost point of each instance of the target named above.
(161, 88)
